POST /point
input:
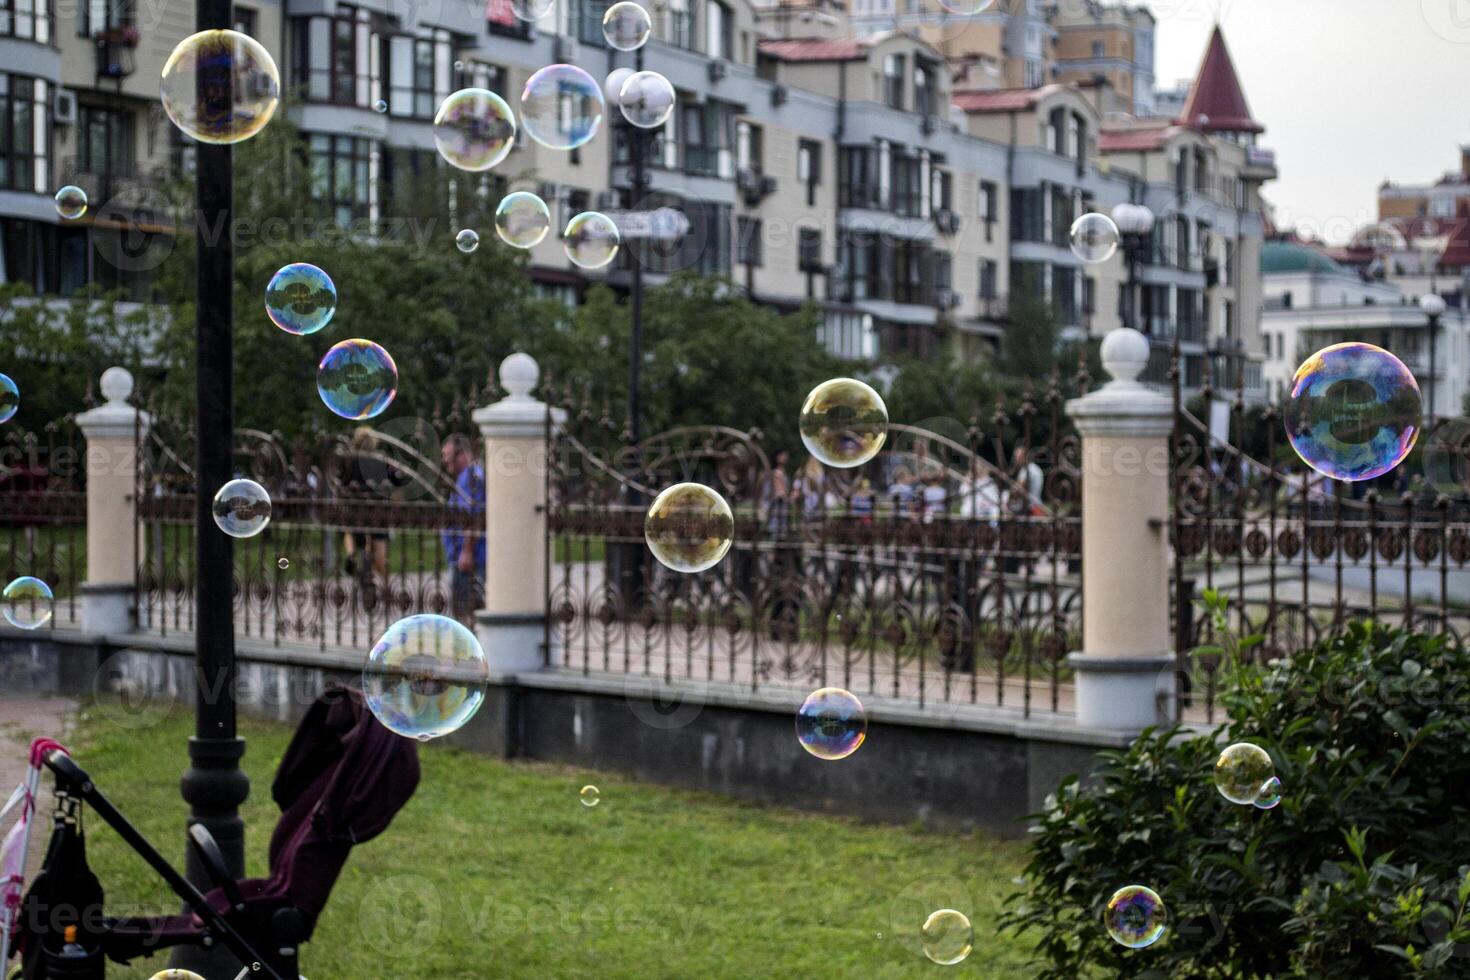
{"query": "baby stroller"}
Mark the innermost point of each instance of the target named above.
(340, 783)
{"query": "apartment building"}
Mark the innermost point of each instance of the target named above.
(1441, 199)
(1112, 43)
(818, 166)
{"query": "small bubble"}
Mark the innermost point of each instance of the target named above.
(71, 202)
(380, 106)
(590, 798)
(1135, 916)
(467, 240)
(27, 603)
(843, 422)
(1241, 771)
(689, 527)
(1094, 238)
(947, 937)
(831, 723)
(283, 563)
(242, 508)
(591, 240)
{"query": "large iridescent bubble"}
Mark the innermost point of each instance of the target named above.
(689, 527)
(27, 603)
(831, 723)
(843, 422)
(300, 298)
(425, 677)
(9, 398)
(1353, 411)
(522, 219)
(357, 379)
(1135, 916)
(220, 86)
(474, 129)
(1242, 771)
(591, 240)
(561, 107)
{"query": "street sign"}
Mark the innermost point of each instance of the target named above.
(667, 224)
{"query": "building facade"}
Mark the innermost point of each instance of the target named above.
(814, 166)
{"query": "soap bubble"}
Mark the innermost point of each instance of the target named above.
(474, 129)
(831, 723)
(220, 86)
(1353, 411)
(357, 379)
(647, 99)
(522, 219)
(283, 563)
(590, 796)
(425, 677)
(9, 398)
(300, 298)
(689, 527)
(1094, 237)
(967, 7)
(1135, 916)
(531, 10)
(176, 975)
(1241, 772)
(27, 603)
(612, 88)
(242, 508)
(467, 240)
(843, 422)
(71, 202)
(1269, 795)
(626, 26)
(591, 240)
(561, 107)
(947, 937)
(380, 106)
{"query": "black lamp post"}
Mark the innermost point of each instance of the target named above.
(1135, 223)
(214, 787)
(1433, 306)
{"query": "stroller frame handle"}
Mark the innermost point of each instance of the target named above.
(75, 782)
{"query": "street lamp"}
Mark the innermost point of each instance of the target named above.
(1135, 223)
(1433, 306)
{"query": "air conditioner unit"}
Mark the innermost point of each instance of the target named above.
(565, 50)
(946, 298)
(607, 200)
(930, 124)
(64, 108)
(779, 95)
(718, 69)
(947, 221)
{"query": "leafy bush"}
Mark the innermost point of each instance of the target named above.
(1363, 870)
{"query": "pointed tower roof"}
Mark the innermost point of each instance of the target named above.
(1216, 101)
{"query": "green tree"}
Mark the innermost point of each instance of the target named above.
(1029, 346)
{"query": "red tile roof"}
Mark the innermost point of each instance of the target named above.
(814, 49)
(1216, 101)
(1138, 138)
(999, 100)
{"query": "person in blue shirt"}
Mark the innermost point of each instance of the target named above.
(464, 549)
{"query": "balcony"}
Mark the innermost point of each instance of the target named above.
(114, 51)
(1260, 163)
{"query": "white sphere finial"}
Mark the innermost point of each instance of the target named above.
(519, 374)
(1432, 304)
(117, 385)
(1125, 354)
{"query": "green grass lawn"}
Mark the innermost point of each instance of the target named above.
(496, 869)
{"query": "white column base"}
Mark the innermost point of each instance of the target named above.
(107, 607)
(512, 642)
(1128, 693)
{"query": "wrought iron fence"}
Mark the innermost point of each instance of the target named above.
(357, 536)
(43, 512)
(945, 570)
(1298, 556)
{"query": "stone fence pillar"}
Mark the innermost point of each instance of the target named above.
(511, 626)
(112, 431)
(1126, 642)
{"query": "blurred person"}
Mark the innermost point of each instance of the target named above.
(366, 550)
(811, 487)
(464, 548)
(934, 496)
(901, 491)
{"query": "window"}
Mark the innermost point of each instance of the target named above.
(748, 241)
(423, 78)
(102, 141)
(677, 27)
(943, 275)
(705, 249)
(749, 149)
(96, 16)
(25, 133)
(809, 168)
(1097, 49)
(925, 88)
(809, 250)
(893, 80)
(1028, 214)
(245, 19)
(876, 267)
(1227, 270)
(708, 134)
(717, 30)
(344, 176)
(987, 208)
(28, 19)
(1034, 74)
(1089, 296)
(988, 273)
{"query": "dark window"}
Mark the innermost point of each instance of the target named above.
(988, 272)
(95, 16)
(28, 19)
(749, 147)
(1064, 293)
(926, 88)
(876, 267)
(1028, 212)
(678, 25)
(588, 16)
(245, 19)
(1028, 281)
(342, 176)
(25, 133)
(708, 134)
(1097, 49)
(893, 67)
(988, 202)
(423, 78)
(748, 241)
(809, 250)
(1089, 295)
(102, 141)
(809, 168)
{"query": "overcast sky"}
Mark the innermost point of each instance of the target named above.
(1350, 91)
